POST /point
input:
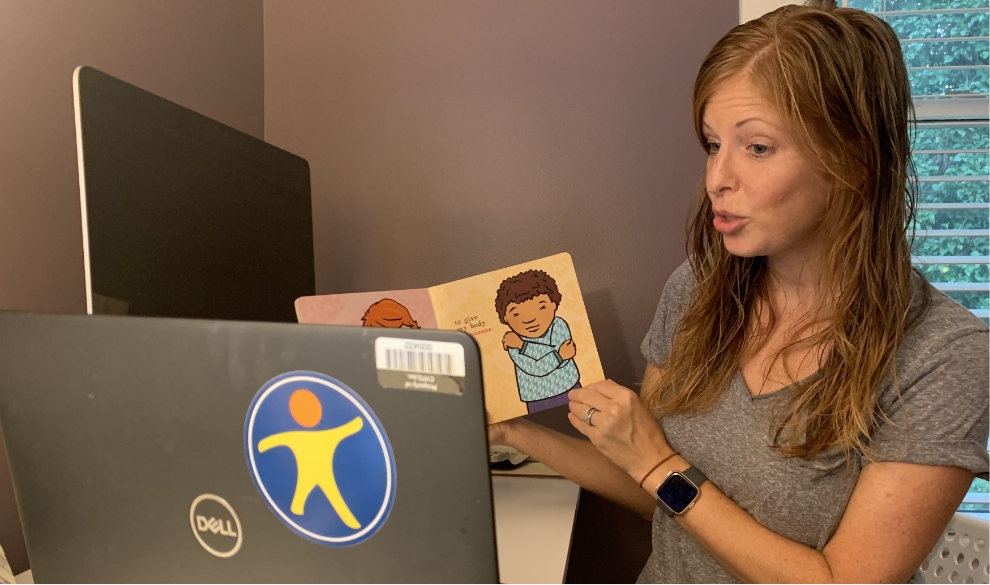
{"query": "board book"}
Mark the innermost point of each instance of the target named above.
(529, 321)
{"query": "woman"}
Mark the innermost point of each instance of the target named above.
(836, 402)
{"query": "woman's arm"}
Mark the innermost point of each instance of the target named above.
(895, 516)
(577, 460)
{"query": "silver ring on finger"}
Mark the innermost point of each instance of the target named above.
(587, 415)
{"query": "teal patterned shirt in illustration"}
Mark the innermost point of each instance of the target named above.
(540, 371)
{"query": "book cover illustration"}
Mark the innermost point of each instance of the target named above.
(529, 321)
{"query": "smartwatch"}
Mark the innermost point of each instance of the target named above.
(679, 491)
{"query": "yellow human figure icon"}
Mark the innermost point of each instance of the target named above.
(314, 451)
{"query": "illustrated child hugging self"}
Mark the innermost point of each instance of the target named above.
(540, 343)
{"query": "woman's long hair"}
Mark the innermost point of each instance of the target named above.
(838, 80)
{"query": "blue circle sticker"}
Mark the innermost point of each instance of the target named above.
(320, 458)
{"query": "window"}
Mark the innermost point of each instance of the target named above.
(946, 45)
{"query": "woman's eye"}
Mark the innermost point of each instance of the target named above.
(713, 147)
(761, 149)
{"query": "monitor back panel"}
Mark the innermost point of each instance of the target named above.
(184, 216)
(115, 426)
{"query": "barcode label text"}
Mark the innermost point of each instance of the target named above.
(420, 357)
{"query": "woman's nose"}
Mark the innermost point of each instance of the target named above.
(720, 175)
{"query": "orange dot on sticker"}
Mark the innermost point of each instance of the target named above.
(305, 408)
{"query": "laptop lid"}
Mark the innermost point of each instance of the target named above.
(182, 450)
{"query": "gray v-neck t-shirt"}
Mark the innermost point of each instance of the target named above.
(940, 419)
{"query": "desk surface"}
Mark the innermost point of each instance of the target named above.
(534, 518)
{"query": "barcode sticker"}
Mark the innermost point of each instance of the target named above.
(416, 364)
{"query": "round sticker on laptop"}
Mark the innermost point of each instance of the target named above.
(320, 458)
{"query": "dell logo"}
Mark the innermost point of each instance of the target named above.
(215, 525)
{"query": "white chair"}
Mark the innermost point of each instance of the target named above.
(962, 555)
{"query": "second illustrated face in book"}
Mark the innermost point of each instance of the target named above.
(531, 318)
(390, 314)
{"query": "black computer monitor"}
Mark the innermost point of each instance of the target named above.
(183, 216)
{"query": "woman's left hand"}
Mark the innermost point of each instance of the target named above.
(622, 428)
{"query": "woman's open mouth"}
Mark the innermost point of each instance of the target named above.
(727, 223)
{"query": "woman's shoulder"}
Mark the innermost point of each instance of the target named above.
(681, 281)
(944, 352)
(942, 324)
(676, 294)
(678, 288)
(673, 300)
(938, 409)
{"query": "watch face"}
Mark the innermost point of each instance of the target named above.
(677, 492)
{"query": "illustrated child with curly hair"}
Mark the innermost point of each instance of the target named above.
(540, 343)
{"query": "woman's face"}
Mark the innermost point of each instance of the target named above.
(768, 201)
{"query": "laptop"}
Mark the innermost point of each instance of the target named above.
(170, 450)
